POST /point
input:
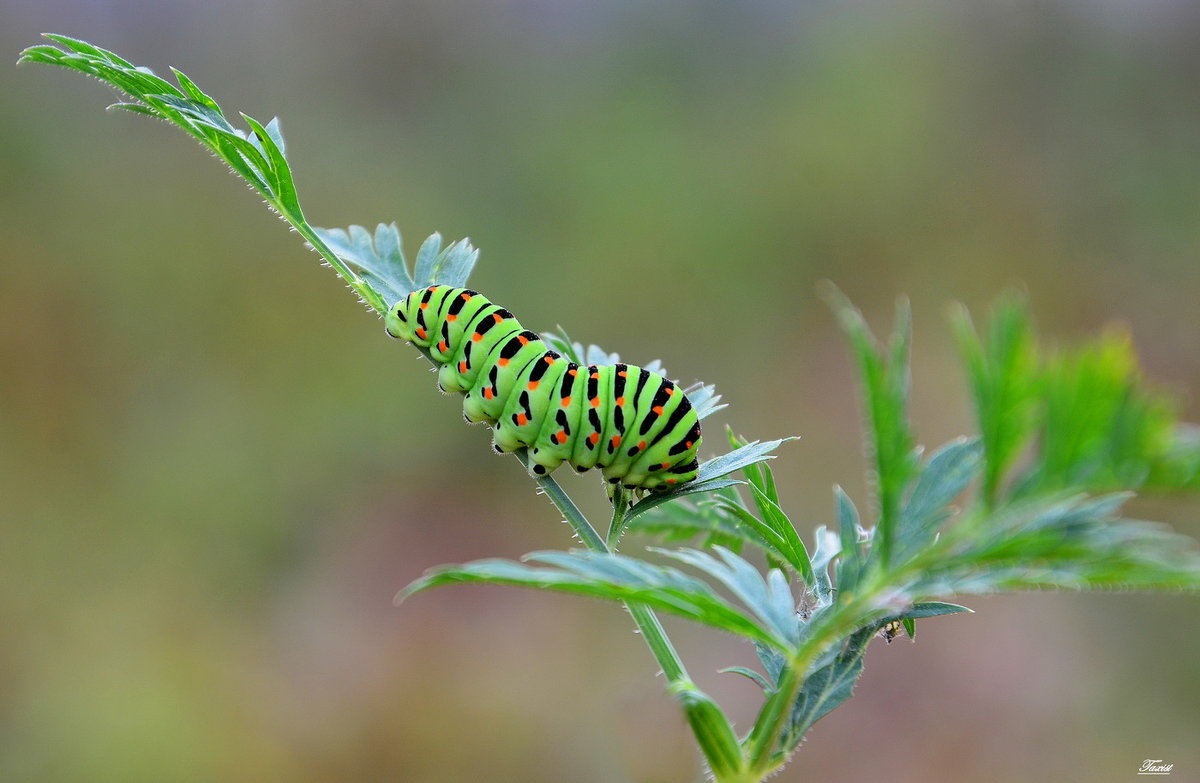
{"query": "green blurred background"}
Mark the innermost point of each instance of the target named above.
(215, 471)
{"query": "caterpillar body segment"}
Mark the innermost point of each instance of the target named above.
(634, 424)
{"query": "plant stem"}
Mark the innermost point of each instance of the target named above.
(356, 283)
(647, 622)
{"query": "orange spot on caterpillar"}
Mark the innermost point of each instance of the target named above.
(502, 362)
(566, 401)
(687, 445)
(462, 367)
(594, 438)
(533, 385)
(664, 466)
(522, 419)
(466, 297)
(549, 360)
(431, 288)
(670, 481)
(657, 409)
(488, 393)
(476, 337)
(442, 346)
(572, 372)
(595, 375)
(669, 390)
(421, 332)
(616, 441)
(498, 317)
(523, 340)
(595, 401)
(641, 445)
(620, 401)
(623, 374)
(424, 305)
(560, 437)
(451, 317)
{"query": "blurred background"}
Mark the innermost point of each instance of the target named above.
(215, 471)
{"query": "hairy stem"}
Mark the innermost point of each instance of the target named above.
(647, 622)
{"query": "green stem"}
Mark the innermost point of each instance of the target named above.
(769, 723)
(647, 622)
(356, 283)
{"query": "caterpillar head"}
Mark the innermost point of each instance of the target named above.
(395, 323)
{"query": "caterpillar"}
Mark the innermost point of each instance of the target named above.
(634, 424)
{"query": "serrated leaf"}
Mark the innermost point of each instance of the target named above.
(611, 577)
(426, 258)
(770, 599)
(379, 259)
(708, 518)
(1066, 542)
(703, 396)
(884, 383)
(453, 266)
(830, 684)
(1001, 373)
(281, 173)
(258, 157)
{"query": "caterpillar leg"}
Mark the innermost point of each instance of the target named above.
(542, 462)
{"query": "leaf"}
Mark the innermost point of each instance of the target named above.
(755, 677)
(773, 662)
(431, 248)
(770, 599)
(943, 477)
(884, 380)
(704, 399)
(786, 542)
(1179, 465)
(1002, 374)
(454, 265)
(257, 156)
(686, 519)
(831, 683)
(560, 342)
(829, 545)
(738, 459)
(1103, 427)
(1064, 542)
(850, 533)
(696, 487)
(612, 577)
(926, 609)
(766, 537)
(380, 259)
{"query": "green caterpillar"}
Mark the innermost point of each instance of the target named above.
(636, 425)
